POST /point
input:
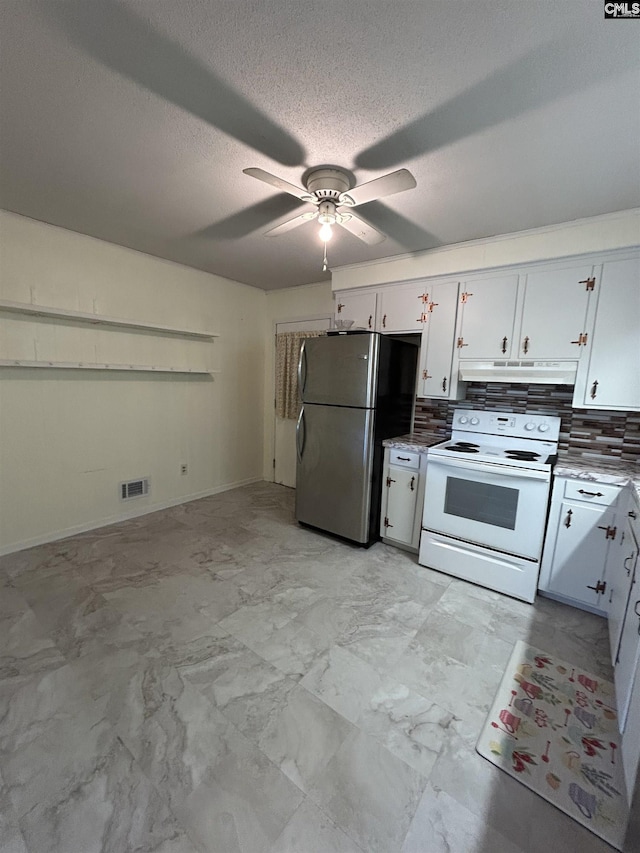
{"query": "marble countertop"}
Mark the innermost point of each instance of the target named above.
(616, 472)
(420, 441)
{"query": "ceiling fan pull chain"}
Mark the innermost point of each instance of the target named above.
(324, 259)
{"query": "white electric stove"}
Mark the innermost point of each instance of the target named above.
(486, 499)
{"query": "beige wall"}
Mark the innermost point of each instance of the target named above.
(68, 437)
(297, 303)
(595, 234)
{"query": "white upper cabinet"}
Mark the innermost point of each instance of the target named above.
(359, 306)
(437, 377)
(554, 313)
(486, 317)
(402, 307)
(609, 377)
(391, 308)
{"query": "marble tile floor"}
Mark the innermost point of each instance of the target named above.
(214, 678)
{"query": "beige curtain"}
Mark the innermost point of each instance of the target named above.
(287, 353)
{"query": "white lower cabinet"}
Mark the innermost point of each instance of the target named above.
(624, 613)
(580, 533)
(402, 497)
(621, 577)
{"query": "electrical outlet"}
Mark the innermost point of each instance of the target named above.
(184, 469)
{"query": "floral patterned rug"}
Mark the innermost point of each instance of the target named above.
(554, 728)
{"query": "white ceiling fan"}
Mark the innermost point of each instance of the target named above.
(329, 189)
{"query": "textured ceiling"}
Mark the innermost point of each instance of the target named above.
(132, 121)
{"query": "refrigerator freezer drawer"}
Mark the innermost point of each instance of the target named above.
(334, 470)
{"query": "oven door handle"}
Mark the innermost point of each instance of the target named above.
(490, 468)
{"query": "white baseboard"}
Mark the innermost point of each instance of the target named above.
(54, 536)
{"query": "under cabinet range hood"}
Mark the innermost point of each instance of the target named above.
(531, 372)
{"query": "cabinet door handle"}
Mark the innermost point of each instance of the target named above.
(525, 346)
(632, 514)
(504, 344)
(567, 521)
(600, 587)
(444, 383)
(637, 612)
(370, 319)
(594, 390)
(590, 494)
(627, 568)
(389, 481)
(411, 484)
(340, 307)
(384, 322)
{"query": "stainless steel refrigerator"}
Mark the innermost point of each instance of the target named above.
(357, 388)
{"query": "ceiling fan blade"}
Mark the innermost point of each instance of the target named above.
(362, 230)
(394, 182)
(124, 41)
(278, 183)
(288, 225)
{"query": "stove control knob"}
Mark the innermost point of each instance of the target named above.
(529, 426)
(543, 427)
(475, 421)
(463, 419)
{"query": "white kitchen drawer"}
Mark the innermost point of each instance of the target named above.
(404, 459)
(590, 492)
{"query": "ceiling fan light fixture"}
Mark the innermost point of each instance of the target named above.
(325, 231)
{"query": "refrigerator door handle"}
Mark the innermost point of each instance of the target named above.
(302, 368)
(300, 434)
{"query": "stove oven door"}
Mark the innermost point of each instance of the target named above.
(491, 505)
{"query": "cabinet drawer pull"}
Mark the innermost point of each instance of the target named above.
(567, 521)
(590, 494)
(600, 587)
(404, 458)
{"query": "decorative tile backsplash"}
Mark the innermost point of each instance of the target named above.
(584, 431)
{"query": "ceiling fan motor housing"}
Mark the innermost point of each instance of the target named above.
(328, 184)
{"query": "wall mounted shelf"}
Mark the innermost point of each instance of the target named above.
(80, 365)
(99, 320)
